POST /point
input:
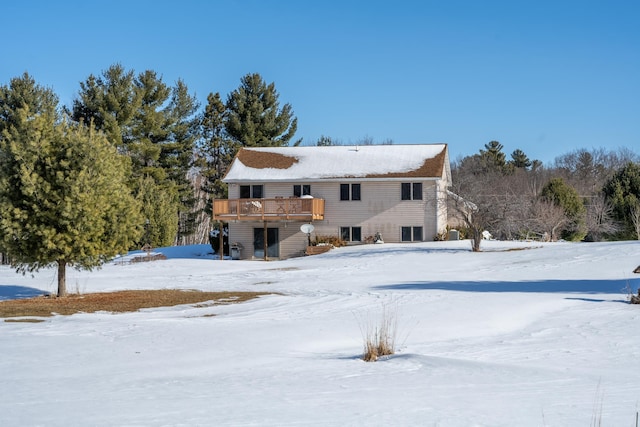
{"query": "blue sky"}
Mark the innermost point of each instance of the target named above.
(546, 77)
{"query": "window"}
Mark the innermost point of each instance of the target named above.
(351, 234)
(301, 190)
(411, 234)
(345, 233)
(411, 191)
(344, 191)
(355, 192)
(349, 191)
(251, 191)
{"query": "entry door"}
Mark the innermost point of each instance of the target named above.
(273, 247)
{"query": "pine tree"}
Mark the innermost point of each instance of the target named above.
(520, 160)
(21, 93)
(216, 149)
(63, 194)
(155, 125)
(110, 102)
(254, 115)
(493, 159)
(177, 154)
(160, 208)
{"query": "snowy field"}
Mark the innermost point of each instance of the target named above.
(535, 337)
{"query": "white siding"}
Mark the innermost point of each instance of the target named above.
(379, 210)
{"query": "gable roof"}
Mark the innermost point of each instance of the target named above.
(340, 162)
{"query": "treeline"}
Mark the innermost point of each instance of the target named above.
(585, 195)
(177, 151)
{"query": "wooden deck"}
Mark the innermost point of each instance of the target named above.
(278, 209)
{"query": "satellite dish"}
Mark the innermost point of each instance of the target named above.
(307, 228)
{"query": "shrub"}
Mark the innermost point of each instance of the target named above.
(330, 240)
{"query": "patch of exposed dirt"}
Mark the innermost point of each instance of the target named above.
(115, 302)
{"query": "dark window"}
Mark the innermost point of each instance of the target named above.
(345, 234)
(351, 234)
(356, 234)
(349, 192)
(417, 234)
(417, 191)
(411, 191)
(256, 191)
(406, 234)
(344, 191)
(301, 190)
(406, 191)
(355, 192)
(245, 191)
(411, 234)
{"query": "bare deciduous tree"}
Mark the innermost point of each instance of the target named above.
(599, 218)
(548, 219)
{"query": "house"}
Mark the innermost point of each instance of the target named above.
(353, 192)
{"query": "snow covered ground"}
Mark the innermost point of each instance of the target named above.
(534, 337)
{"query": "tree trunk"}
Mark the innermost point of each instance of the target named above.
(62, 278)
(476, 239)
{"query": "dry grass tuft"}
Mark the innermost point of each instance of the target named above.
(380, 340)
(116, 302)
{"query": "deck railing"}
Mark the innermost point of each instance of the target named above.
(278, 209)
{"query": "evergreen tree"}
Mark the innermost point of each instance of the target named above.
(63, 195)
(326, 141)
(110, 102)
(152, 123)
(24, 94)
(178, 154)
(159, 207)
(623, 192)
(255, 117)
(493, 159)
(216, 149)
(520, 160)
(561, 194)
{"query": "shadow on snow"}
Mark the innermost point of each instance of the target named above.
(621, 286)
(8, 292)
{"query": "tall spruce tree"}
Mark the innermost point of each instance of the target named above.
(63, 192)
(255, 117)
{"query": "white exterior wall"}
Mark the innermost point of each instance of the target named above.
(379, 210)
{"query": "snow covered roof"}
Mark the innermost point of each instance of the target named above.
(340, 162)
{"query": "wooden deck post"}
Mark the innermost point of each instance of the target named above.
(266, 241)
(221, 249)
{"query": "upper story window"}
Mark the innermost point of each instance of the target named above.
(251, 192)
(349, 191)
(301, 190)
(411, 191)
